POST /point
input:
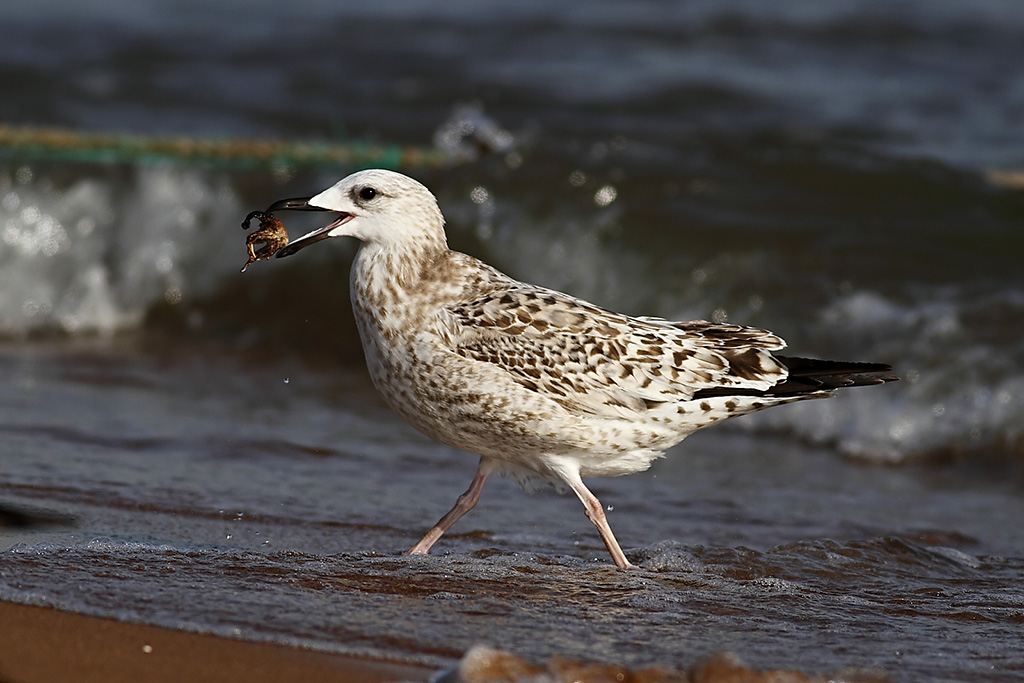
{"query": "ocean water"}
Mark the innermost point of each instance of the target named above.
(848, 176)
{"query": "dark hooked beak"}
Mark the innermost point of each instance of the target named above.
(310, 238)
(293, 204)
(302, 204)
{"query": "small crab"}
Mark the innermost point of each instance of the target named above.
(271, 233)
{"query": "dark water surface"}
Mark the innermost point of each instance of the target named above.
(846, 175)
(210, 495)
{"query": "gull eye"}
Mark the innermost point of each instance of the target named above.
(367, 193)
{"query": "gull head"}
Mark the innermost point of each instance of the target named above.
(378, 207)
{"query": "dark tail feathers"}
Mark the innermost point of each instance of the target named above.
(809, 375)
(833, 374)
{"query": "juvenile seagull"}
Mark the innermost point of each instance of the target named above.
(542, 385)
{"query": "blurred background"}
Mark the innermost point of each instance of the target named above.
(849, 175)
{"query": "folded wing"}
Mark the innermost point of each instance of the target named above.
(594, 361)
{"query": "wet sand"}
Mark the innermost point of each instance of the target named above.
(44, 644)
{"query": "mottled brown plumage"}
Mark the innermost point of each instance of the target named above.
(542, 385)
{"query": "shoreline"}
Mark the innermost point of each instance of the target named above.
(45, 644)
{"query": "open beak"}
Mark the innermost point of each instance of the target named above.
(293, 204)
(302, 204)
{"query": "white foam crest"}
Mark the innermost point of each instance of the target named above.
(962, 385)
(92, 257)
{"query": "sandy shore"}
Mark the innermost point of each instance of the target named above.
(43, 644)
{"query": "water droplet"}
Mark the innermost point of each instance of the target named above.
(479, 195)
(605, 196)
(286, 380)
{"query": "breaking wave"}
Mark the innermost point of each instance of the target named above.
(107, 251)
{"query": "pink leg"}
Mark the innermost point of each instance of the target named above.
(595, 513)
(464, 504)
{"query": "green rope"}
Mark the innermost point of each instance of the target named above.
(34, 143)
